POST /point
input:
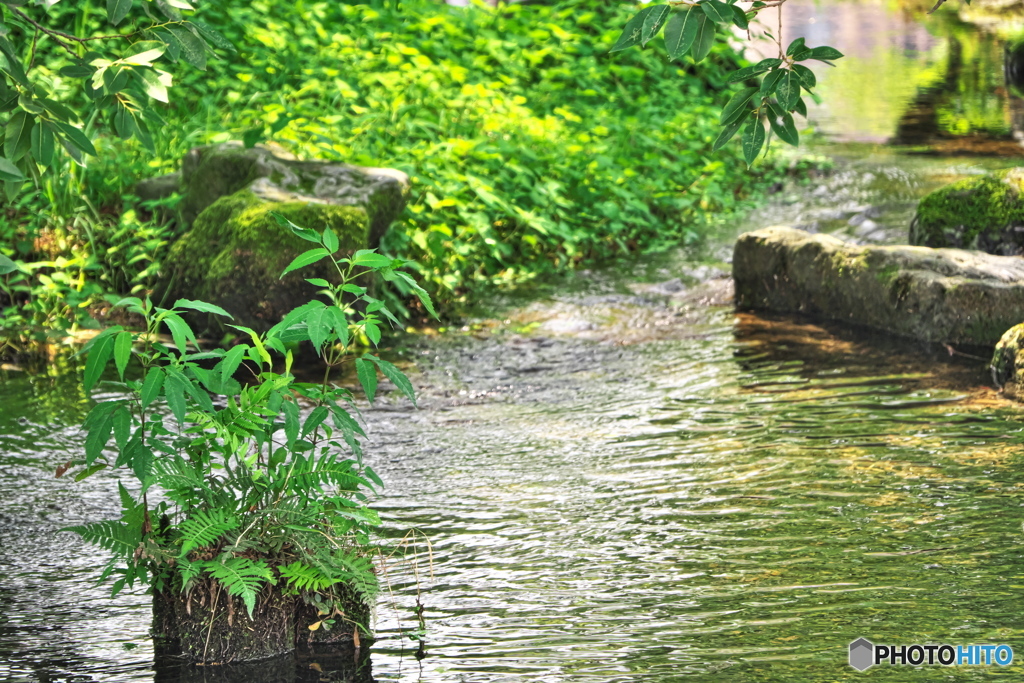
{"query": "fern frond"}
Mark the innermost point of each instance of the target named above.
(114, 536)
(303, 577)
(204, 527)
(357, 570)
(240, 577)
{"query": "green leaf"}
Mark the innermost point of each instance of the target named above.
(396, 376)
(98, 426)
(330, 240)
(785, 128)
(9, 172)
(304, 233)
(727, 134)
(42, 144)
(801, 107)
(739, 18)
(370, 259)
(807, 77)
(717, 11)
(737, 106)
(305, 259)
(211, 36)
(122, 352)
(99, 354)
(76, 137)
(142, 459)
(750, 71)
(788, 91)
(240, 577)
(339, 323)
(367, 374)
(193, 49)
(753, 140)
(705, 38)
(680, 32)
(318, 281)
(174, 390)
(633, 31)
(825, 53)
(795, 46)
(202, 307)
(231, 361)
(151, 386)
(319, 326)
(6, 264)
(17, 137)
(770, 83)
(180, 332)
(653, 23)
(117, 10)
(315, 419)
(291, 421)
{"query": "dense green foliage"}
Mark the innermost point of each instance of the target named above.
(532, 149)
(254, 493)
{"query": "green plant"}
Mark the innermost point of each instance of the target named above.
(692, 29)
(59, 62)
(253, 493)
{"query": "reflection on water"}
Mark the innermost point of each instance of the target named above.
(731, 494)
(934, 82)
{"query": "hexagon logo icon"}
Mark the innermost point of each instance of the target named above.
(862, 654)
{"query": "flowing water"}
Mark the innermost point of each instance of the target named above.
(622, 479)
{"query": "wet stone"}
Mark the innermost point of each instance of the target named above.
(937, 295)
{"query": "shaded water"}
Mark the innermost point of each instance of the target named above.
(624, 480)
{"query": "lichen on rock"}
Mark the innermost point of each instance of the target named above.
(236, 250)
(984, 213)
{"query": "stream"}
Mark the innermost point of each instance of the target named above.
(623, 479)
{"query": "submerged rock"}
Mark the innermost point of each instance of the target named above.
(1008, 362)
(937, 295)
(984, 213)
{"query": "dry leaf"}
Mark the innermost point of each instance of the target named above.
(313, 627)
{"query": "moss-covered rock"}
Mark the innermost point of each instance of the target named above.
(985, 213)
(1008, 362)
(937, 295)
(209, 173)
(235, 252)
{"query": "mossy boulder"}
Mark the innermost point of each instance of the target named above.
(985, 213)
(1008, 362)
(273, 175)
(936, 295)
(235, 252)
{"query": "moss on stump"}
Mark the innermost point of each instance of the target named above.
(985, 213)
(235, 252)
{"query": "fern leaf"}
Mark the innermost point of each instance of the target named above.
(204, 527)
(112, 536)
(240, 577)
(303, 577)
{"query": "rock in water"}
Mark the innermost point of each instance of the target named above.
(273, 175)
(937, 295)
(1008, 362)
(984, 213)
(235, 250)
